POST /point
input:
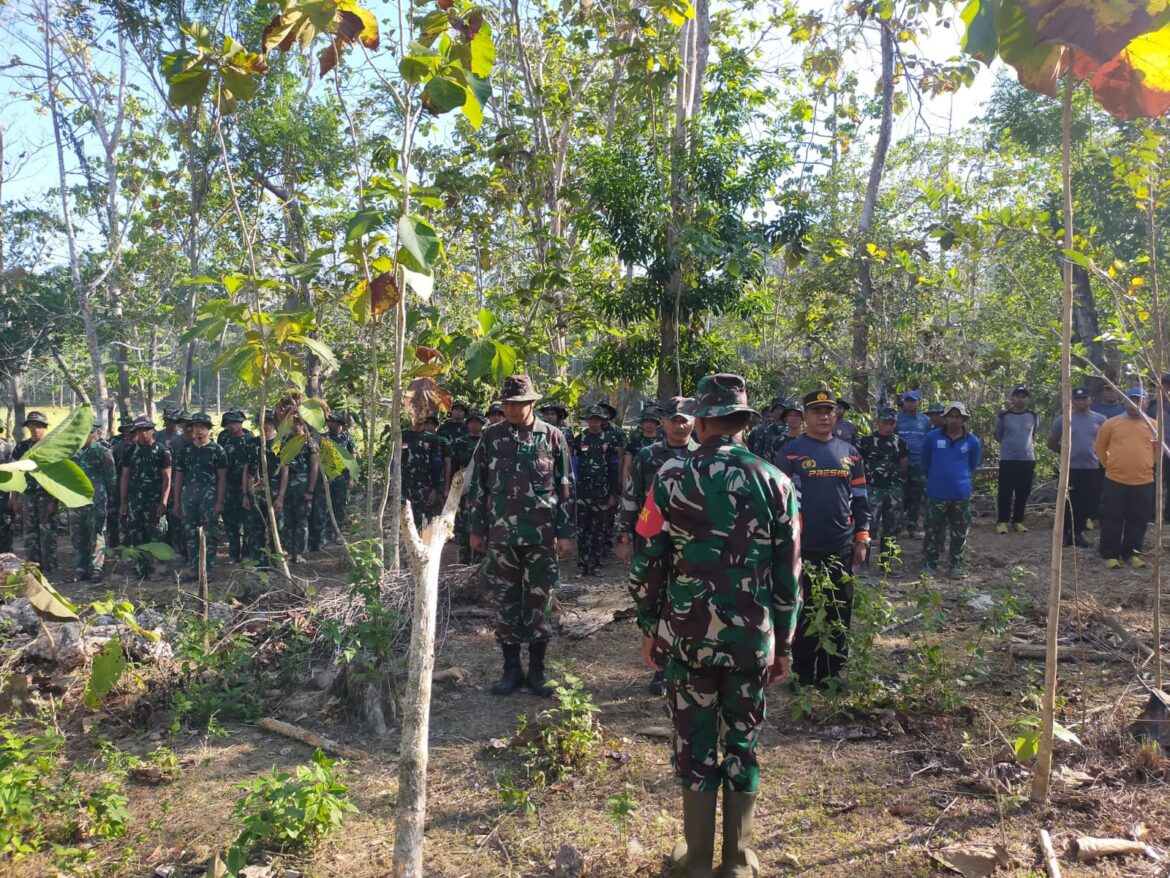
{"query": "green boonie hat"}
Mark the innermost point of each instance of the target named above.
(183, 416)
(170, 414)
(679, 407)
(476, 415)
(458, 404)
(820, 397)
(722, 394)
(792, 405)
(201, 418)
(125, 421)
(143, 423)
(887, 414)
(777, 400)
(956, 406)
(607, 411)
(234, 415)
(553, 406)
(336, 417)
(594, 411)
(650, 413)
(496, 408)
(519, 388)
(269, 415)
(35, 417)
(936, 408)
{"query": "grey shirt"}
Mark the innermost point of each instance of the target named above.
(1083, 453)
(1016, 432)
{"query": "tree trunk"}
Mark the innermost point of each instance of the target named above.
(70, 378)
(863, 303)
(1086, 326)
(16, 385)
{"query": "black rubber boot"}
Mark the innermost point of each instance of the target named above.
(513, 676)
(692, 855)
(535, 678)
(739, 817)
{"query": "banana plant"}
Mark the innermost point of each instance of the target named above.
(49, 465)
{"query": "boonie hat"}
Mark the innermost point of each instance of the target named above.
(594, 411)
(201, 418)
(145, 423)
(458, 404)
(553, 406)
(844, 403)
(936, 408)
(126, 422)
(476, 415)
(183, 416)
(519, 388)
(792, 405)
(337, 417)
(35, 417)
(957, 407)
(607, 411)
(169, 414)
(820, 398)
(679, 407)
(887, 414)
(721, 394)
(650, 413)
(495, 409)
(234, 415)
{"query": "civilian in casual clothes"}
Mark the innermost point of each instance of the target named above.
(1084, 469)
(1109, 402)
(845, 430)
(1015, 429)
(1125, 447)
(950, 456)
(913, 426)
(834, 534)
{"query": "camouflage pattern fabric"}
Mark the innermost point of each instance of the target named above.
(764, 440)
(321, 527)
(450, 431)
(520, 501)
(462, 450)
(639, 440)
(946, 518)
(522, 579)
(422, 472)
(175, 532)
(592, 517)
(257, 539)
(5, 522)
(119, 447)
(294, 532)
(717, 583)
(709, 707)
(883, 456)
(40, 517)
(597, 482)
(886, 510)
(236, 450)
(200, 466)
(143, 465)
(645, 464)
(97, 463)
(915, 495)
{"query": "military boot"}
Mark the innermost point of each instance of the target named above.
(739, 816)
(513, 676)
(535, 678)
(691, 856)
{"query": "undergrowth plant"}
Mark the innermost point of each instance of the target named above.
(567, 737)
(218, 676)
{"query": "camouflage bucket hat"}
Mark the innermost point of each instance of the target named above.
(495, 408)
(722, 394)
(125, 421)
(143, 423)
(607, 411)
(476, 415)
(183, 416)
(936, 408)
(170, 414)
(519, 388)
(234, 415)
(679, 407)
(336, 416)
(594, 411)
(650, 413)
(35, 417)
(459, 404)
(201, 418)
(887, 414)
(553, 406)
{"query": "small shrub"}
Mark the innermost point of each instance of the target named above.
(565, 742)
(218, 677)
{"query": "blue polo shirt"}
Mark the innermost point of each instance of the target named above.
(949, 464)
(913, 428)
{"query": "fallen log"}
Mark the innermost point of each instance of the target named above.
(1050, 861)
(1035, 652)
(1087, 848)
(288, 730)
(1110, 620)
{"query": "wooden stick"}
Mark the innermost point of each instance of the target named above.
(1088, 848)
(1050, 861)
(1114, 624)
(288, 730)
(203, 571)
(1030, 651)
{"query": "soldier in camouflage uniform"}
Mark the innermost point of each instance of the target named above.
(120, 446)
(763, 439)
(598, 491)
(717, 595)
(557, 414)
(303, 472)
(791, 424)
(175, 532)
(521, 503)
(97, 463)
(935, 413)
(678, 445)
(422, 471)
(461, 453)
(235, 442)
(144, 475)
(617, 436)
(495, 413)
(455, 425)
(887, 460)
(200, 487)
(321, 531)
(258, 544)
(37, 504)
(649, 431)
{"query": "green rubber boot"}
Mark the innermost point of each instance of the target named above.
(692, 856)
(739, 817)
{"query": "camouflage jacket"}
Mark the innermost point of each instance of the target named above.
(200, 466)
(422, 463)
(144, 465)
(97, 463)
(522, 493)
(450, 430)
(273, 465)
(638, 440)
(298, 470)
(883, 456)
(645, 464)
(718, 580)
(597, 465)
(235, 449)
(462, 450)
(617, 436)
(33, 487)
(766, 438)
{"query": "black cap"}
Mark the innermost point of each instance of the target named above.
(820, 397)
(1020, 390)
(607, 411)
(1080, 393)
(844, 403)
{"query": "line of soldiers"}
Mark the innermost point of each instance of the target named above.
(154, 486)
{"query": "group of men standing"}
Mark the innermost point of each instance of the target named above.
(153, 486)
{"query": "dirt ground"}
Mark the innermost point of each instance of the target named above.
(841, 796)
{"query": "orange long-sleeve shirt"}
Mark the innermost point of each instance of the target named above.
(1125, 447)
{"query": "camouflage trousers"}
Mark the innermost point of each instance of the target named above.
(946, 518)
(712, 709)
(233, 519)
(141, 527)
(886, 509)
(915, 494)
(593, 518)
(420, 508)
(294, 530)
(113, 524)
(198, 505)
(40, 530)
(175, 536)
(5, 522)
(463, 537)
(88, 534)
(522, 579)
(257, 538)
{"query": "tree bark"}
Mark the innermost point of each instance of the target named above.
(70, 378)
(16, 385)
(863, 303)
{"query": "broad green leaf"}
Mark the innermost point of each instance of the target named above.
(486, 320)
(64, 440)
(158, 551)
(45, 600)
(107, 669)
(321, 349)
(503, 361)
(359, 302)
(419, 239)
(980, 39)
(350, 462)
(1037, 66)
(479, 92)
(12, 479)
(331, 463)
(479, 357)
(422, 284)
(66, 481)
(483, 52)
(292, 448)
(241, 82)
(312, 412)
(363, 222)
(421, 64)
(443, 94)
(1061, 733)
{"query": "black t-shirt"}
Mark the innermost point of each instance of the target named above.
(830, 479)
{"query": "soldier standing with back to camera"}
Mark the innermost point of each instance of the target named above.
(597, 491)
(462, 450)
(521, 499)
(716, 589)
(235, 442)
(144, 489)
